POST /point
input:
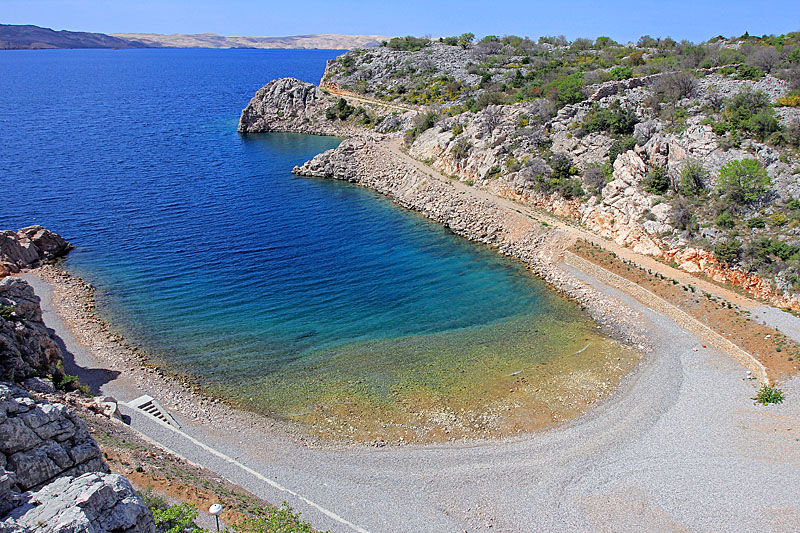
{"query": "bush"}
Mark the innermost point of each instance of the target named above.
(682, 216)
(768, 394)
(743, 181)
(656, 181)
(620, 146)
(566, 90)
(621, 73)
(725, 220)
(614, 119)
(790, 100)
(756, 222)
(342, 110)
(692, 178)
(671, 88)
(594, 177)
(749, 72)
(461, 148)
(728, 252)
(175, 519)
(281, 519)
(409, 43)
(422, 122)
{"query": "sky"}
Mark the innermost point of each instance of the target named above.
(622, 20)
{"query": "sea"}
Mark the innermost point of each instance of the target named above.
(275, 292)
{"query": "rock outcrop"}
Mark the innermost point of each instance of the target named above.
(26, 347)
(289, 105)
(28, 248)
(52, 474)
(91, 503)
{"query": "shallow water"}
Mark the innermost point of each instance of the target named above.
(286, 295)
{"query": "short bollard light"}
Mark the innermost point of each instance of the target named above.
(215, 510)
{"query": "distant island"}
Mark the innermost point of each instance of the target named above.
(29, 37)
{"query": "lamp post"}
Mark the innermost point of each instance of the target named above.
(215, 510)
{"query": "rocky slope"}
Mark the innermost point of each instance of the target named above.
(26, 346)
(53, 477)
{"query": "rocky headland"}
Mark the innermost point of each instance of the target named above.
(636, 159)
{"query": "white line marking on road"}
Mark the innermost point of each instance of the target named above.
(258, 475)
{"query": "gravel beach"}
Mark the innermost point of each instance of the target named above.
(680, 446)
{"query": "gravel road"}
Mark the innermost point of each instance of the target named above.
(679, 446)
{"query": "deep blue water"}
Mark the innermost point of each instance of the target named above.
(203, 246)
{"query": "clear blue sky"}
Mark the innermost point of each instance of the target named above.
(623, 20)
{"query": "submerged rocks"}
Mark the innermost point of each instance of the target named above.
(29, 247)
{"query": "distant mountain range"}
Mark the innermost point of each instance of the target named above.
(329, 41)
(29, 37)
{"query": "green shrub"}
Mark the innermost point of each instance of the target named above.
(728, 251)
(566, 90)
(621, 73)
(281, 519)
(613, 119)
(461, 148)
(768, 394)
(409, 43)
(749, 72)
(422, 122)
(620, 146)
(342, 110)
(725, 220)
(692, 178)
(657, 181)
(743, 181)
(175, 519)
(756, 222)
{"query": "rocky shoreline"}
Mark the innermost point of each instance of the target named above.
(371, 164)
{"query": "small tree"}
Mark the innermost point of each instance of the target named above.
(743, 181)
(692, 178)
(728, 252)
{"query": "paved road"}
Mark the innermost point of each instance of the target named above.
(680, 445)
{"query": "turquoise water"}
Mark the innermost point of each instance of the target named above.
(209, 253)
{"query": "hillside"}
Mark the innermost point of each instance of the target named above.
(211, 40)
(30, 37)
(686, 152)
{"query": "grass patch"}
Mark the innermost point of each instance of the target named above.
(768, 394)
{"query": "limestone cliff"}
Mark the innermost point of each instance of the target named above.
(26, 347)
(52, 474)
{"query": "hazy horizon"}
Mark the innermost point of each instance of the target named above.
(622, 20)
